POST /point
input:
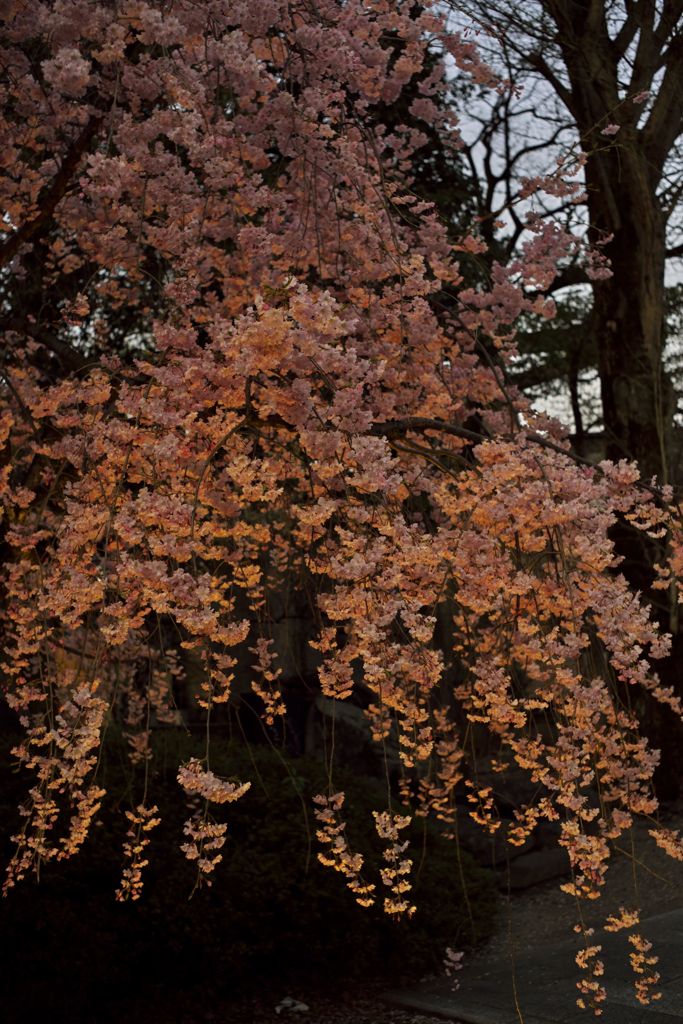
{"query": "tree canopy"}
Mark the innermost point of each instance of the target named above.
(240, 349)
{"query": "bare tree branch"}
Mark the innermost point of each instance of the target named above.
(71, 359)
(51, 195)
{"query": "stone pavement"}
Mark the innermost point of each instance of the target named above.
(540, 987)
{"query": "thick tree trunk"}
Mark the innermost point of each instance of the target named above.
(637, 399)
(623, 173)
(628, 324)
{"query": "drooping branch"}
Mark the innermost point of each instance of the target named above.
(422, 423)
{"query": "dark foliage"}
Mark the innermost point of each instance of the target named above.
(274, 916)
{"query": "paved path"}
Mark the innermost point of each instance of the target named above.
(544, 983)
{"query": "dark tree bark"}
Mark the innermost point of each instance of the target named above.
(623, 177)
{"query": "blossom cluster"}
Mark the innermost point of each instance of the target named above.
(199, 781)
(397, 868)
(142, 820)
(592, 990)
(204, 839)
(337, 854)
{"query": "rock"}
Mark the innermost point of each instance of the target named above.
(353, 743)
(489, 850)
(535, 867)
(511, 789)
(547, 833)
(290, 1005)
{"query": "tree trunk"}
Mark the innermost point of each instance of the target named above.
(628, 322)
(637, 399)
(623, 171)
